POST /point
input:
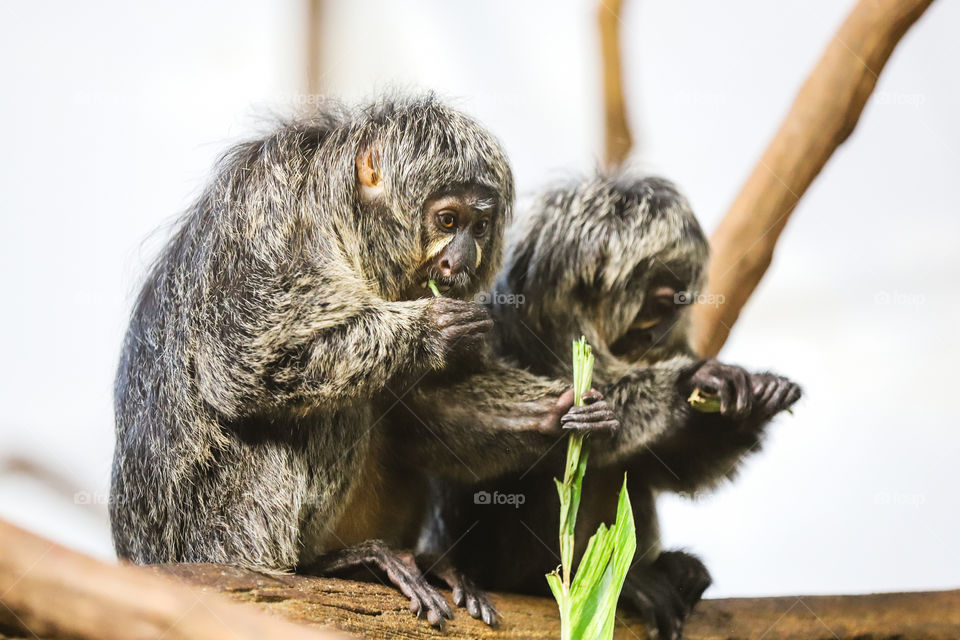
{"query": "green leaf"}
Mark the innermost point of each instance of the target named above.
(601, 574)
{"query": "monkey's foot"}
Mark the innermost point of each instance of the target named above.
(399, 568)
(466, 594)
(665, 592)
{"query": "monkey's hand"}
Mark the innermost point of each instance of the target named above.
(730, 382)
(459, 327)
(771, 395)
(595, 416)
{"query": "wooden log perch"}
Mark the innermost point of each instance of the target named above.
(823, 115)
(47, 591)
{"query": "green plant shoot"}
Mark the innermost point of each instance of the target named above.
(704, 402)
(588, 601)
(433, 287)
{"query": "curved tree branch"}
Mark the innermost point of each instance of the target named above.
(823, 115)
(617, 138)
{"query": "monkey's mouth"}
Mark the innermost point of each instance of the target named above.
(459, 284)
(442, 287)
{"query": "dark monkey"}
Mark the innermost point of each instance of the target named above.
(251, 380)
(611, 258)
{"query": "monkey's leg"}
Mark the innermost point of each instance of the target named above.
(399, 568)
(665, 592)
(466, 594)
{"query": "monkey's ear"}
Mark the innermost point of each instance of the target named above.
(370, 172)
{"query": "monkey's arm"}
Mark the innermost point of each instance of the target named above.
(678, 448)
(650, 403)
(494, 420)
(319, 337)
(709, 447)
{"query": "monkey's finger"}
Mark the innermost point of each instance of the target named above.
(759, 383)
(728, 395)
(708, 382)
(606, 427)
(592, 396)
(433, 601)
(592, 415)
(458, 597)
(490, 614)
(473, 607)
(451, 312)
(473, 328)
(778, 399)
(485, 609)
(744, 392)
(769, 387)
(759, 390)
(481, 609)
(435, 619)
(414, 587)
(565, 401)
(437, 613)
(440, 603)
(795, 393)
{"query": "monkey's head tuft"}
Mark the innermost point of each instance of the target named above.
(628, 249)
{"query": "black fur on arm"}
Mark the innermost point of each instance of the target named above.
(480, 424)
(673, 445)
(702, 453)
(709, 447)
(649, 402)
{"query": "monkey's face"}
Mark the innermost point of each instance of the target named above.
(457, 228)
(658, 328)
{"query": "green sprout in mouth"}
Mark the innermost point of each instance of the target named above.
(433, 287)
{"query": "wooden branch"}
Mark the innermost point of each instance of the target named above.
(376, 611)
(823, 115)
(314, 69)
(48, 591)
(617, 138)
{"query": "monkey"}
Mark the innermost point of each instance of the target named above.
(288, 300)
(612, 257)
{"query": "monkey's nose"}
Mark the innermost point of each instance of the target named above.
(446, 268)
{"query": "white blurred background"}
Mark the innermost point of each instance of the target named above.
(113, 112)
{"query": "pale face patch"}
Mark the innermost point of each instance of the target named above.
(479, 254)
(437, 245)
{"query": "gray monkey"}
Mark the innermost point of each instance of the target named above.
(267, 334)
(615, 258)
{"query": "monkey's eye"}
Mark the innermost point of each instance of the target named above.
(447, 219)
(660, 305)
(480, 228)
